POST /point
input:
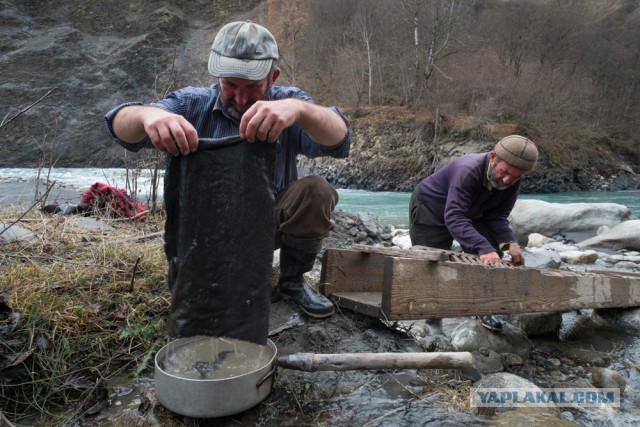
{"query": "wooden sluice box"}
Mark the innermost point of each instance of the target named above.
(397, 284)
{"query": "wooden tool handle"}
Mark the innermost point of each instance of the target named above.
(312, 362)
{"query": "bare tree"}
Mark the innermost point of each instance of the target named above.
(290, 34)
(363, 22)
(434, 24)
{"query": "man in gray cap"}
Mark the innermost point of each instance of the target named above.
(245, 101)
(469, 200)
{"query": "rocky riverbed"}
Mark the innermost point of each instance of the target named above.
(550, 350)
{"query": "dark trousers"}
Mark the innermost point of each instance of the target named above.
(426, 229)
(303, 213)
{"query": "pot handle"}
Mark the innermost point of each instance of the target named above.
(271, 373)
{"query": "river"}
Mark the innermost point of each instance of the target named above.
(390, 207)
(393, 208)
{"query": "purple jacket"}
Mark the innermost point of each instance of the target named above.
(458, 193)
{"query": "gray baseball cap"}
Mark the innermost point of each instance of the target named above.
(244, 50)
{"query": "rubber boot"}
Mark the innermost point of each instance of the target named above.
(490, 322)
(292, 284)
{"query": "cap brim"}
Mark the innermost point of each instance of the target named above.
(224, 66)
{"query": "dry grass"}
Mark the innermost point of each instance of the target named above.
(77, 306)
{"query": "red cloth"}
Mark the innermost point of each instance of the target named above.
(113, 201)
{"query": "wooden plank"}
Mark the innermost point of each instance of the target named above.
(361, 269)
(414, 289)
(367, 303)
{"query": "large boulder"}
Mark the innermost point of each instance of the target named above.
(536, 216)
(625, 235)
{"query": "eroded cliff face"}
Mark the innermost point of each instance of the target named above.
(90, 56)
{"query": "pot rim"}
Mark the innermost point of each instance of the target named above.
(184, 341)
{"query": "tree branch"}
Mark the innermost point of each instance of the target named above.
(24, 110)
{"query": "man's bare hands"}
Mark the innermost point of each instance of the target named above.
(265, 120)
(170, 132)
(516, 253)
(514, 250)
(490, 258)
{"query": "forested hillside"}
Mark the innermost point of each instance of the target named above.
(421, 80)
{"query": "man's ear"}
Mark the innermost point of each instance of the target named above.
(276, 73)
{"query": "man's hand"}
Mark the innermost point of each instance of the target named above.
(490, 258)
(265, 120)
(516, 253)
(168, 132)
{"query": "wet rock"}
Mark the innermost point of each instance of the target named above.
(571, 383)
(432, 343)
(535, 216)
(541, 258)
(607, 378)
(487, 361)
(628, 318)
(471, 335)
(403, 241)
(579, 257)
(560, 247)
(536, 324)
(353, 229)
(623, 236)
(627, 265)
(588, 357)
(510, 359)
(552, 363)
(361, 235)
(89, 223)
(370, 225)
(502, 380)
(505, 380)
(536, 240)
(14, 232)
(531, 417)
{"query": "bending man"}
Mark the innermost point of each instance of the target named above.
(469, 200)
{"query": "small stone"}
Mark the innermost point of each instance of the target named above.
(511, 359)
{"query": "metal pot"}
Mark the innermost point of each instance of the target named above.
(199, 396)
(208, 398)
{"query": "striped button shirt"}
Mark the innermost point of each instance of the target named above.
(203, 109)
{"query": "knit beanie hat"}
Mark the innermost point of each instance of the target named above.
(518, 151)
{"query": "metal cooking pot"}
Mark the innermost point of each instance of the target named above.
(192, 392)
(208, 398)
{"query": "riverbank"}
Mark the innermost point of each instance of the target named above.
(109, 281)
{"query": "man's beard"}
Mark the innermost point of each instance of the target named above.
(232, 109)
(495, 184)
